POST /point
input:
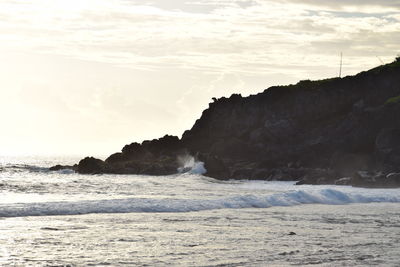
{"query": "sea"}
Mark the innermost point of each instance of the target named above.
(62, 218)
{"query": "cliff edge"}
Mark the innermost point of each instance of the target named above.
(333, 131)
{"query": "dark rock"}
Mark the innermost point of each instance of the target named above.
(343, 181)
(388, 140)
(134, 148)
(387, 147)
(317, 176)
(117, 157)
(345, 164)
(165, 145)
(90, 165)
(393, 179)
(160, 169)
(244, 174)
(154, 157)
(62, 167)
(314, 131)
(215, 167)
(303, 181)
(368, 179)
(261, 174)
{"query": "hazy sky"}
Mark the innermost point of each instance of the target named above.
(88, 76)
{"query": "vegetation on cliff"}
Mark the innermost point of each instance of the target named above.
(339, 130)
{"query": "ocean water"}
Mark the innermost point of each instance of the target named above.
(66, 219)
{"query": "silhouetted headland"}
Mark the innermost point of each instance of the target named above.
(335, 131)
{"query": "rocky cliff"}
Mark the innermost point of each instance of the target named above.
(340, 130)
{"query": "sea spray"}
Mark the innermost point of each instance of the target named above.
(189, 164)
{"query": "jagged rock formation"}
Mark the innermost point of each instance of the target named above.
(156, 157)
(317, 131)
(340, 130)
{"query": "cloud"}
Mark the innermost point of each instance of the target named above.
(234, 36)
(355, 5)
(149, 67)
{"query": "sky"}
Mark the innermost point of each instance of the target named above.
(86, 77)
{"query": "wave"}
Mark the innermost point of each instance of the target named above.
(22, 168)
(190, 165)
(130, 205)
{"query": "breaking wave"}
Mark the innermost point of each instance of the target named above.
(190, 165)
(22, 168)
(129, 205)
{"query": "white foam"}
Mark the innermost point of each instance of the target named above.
(190, 165)
(66, 171)
(292, 198)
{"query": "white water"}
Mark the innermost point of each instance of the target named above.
(134, 213)
(291, 198)
(190, 165)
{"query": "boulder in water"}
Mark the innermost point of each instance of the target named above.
(90, 165)
(63, 167)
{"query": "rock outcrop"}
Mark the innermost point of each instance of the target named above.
(333, 131)
(155, 157)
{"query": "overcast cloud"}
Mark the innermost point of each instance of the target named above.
(149, 67)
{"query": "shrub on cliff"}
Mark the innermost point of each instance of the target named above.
(393, 100)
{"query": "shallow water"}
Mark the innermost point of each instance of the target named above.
(62, 218)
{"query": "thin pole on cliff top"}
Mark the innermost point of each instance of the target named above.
(341, 63)
(383, 63)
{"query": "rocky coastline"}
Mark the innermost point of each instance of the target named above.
(343, 131)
